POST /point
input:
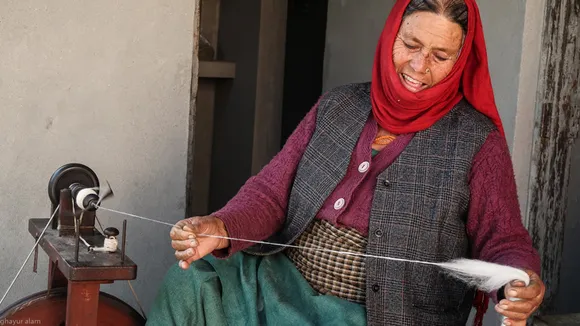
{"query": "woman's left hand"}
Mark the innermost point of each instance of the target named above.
(529, 299)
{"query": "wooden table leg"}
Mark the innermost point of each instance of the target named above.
(82, 303)
(55, 277)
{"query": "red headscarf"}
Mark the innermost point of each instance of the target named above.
(400, 111)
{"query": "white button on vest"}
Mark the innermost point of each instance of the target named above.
(339, 204)
(363, 167)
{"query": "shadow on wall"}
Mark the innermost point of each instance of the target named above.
(566, 300)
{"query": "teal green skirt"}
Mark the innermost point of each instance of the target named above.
(247, 290)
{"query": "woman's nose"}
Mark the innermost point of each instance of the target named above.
(419, 62)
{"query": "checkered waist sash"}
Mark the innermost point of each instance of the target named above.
(332, 273)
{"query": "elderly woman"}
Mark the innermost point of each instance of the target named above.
(412, 165)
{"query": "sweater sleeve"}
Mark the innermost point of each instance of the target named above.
(494, 222)
(258, 210)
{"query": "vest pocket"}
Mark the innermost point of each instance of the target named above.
(437, 294)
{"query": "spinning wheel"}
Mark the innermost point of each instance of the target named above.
(67, 175)
(77, 270)
(49, 308)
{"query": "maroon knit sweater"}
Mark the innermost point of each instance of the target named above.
(494, 225)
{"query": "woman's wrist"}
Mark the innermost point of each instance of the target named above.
(222, 232)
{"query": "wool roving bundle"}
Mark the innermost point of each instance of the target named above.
(485, 276)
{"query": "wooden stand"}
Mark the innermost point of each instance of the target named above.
(73, 296)
(75, 274)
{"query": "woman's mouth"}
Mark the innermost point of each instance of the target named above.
(411, 84)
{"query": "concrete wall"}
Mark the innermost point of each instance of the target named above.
(503, 24)
(102, 83)
(355, 25)
(353, 29)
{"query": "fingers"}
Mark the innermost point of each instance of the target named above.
(200, 225)
(523, 306)
(529, 292)
(188, 246)
(179, 233)
(513, 318)
(185, 254)
(517, 284)
(509, 322)
(184, 244)
(192, 226)
(185, 249)
(524, 300)
(186, 229)
(184, 264)
(534, 291)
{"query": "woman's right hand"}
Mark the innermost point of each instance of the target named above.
(190, 246)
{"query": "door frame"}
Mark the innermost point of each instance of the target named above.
(556, 124)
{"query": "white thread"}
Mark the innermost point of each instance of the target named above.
(273, 243)
(99, 222)
(133, 215)
(85, 242)
(137, 299)
(30, 254)
(81, 218)
(485, 276)
(109, 245)
(83, 193)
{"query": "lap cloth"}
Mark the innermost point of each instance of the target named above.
(247, 290)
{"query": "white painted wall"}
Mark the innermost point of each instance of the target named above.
(104, 83)
(528, 109)
(354, 27)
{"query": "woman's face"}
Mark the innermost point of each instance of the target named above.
(426, 49)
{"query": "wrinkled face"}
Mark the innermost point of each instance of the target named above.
(425, 50)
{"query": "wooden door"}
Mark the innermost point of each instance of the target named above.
(209, 72)
(191, 148)
(557, 123)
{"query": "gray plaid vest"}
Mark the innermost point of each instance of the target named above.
(418, 212)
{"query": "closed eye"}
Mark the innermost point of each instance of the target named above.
(410, 47)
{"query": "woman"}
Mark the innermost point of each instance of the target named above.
(413, 165)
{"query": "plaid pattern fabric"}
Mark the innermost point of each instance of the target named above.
(327, 272)
(418, 212)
